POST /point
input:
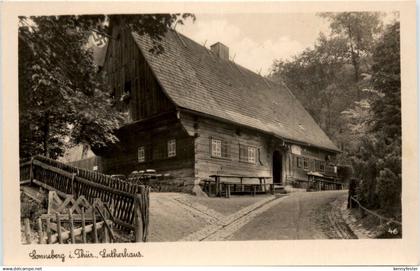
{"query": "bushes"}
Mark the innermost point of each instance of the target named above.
(31, 209)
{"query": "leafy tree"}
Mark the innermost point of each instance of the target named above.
(320, 79)
(62, 97)
(378, 162)
(335, 74)
(350, 83)
(359, 30)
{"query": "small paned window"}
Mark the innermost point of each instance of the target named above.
(248, 154)
(305, 163)
(216, 147)
(172, 148)
(299, 162)
(159, 150)
(317, 165)
(252, 152)
(220, 148)
(141, 156)
(322, 166)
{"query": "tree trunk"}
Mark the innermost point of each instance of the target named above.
(355, 60)
(46, 132)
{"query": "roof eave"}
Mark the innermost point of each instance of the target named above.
(257, 129)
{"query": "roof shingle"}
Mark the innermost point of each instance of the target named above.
(196, 79)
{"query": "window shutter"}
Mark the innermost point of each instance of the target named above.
(225, 149)
(243, 153)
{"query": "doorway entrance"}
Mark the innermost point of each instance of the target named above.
(277, 167)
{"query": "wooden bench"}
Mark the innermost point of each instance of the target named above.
(225, 188)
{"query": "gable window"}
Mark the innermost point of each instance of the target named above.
(172, 148)
(141, 156)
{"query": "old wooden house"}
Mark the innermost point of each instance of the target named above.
(194, 113)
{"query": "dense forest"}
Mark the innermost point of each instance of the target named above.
(350, 83)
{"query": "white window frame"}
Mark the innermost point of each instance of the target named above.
(172, 148)
(216, 148)
(141, 154)
(252, 154)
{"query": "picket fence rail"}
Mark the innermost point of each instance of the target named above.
(130, 201)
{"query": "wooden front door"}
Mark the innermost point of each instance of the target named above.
(277, 167)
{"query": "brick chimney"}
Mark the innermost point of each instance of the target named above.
(220, 50)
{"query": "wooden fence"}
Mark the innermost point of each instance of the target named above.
(72, 221)
(129, 199)
(381, 218)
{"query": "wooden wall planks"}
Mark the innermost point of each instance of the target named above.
(125, 67)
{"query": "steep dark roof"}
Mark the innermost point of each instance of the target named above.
(196, 79)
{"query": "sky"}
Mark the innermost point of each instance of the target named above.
(256, 40)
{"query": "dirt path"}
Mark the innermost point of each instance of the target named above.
(304, 215)
(301, 215)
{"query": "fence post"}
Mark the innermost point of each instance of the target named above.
(111, 212)
(138, 222)
(73, 238)
(105, 227)
(94, 229)
(49, 239)
(60, 237)
(83, 225)
(40, 232)
(73, 176)
(27, 230)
